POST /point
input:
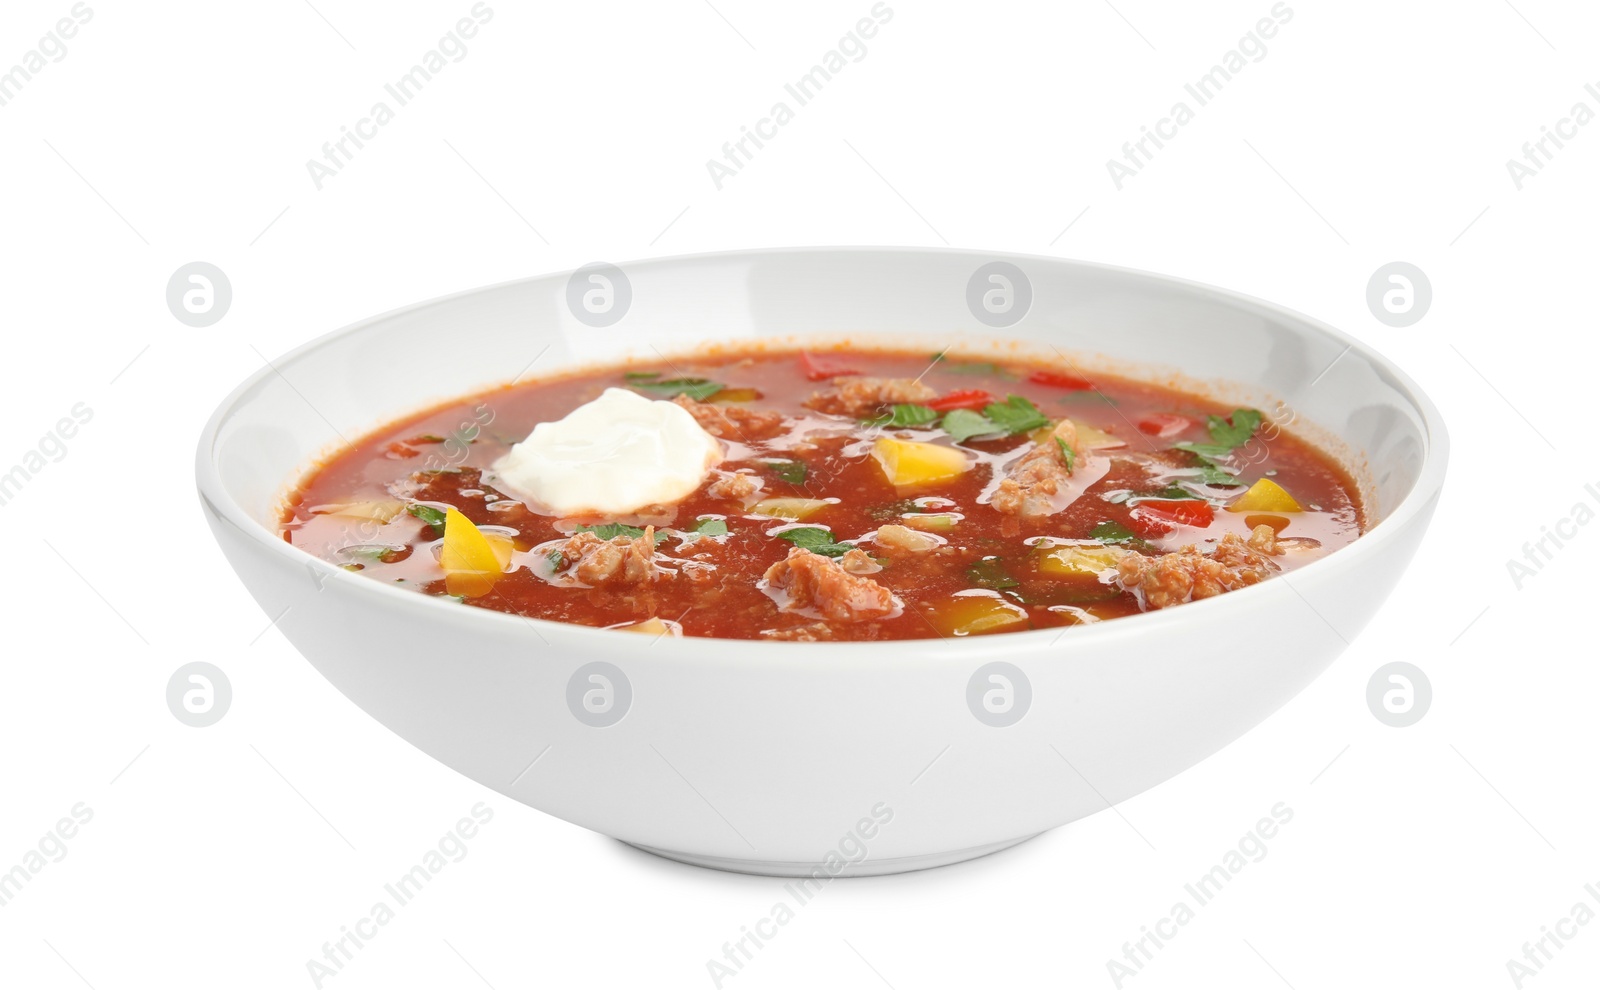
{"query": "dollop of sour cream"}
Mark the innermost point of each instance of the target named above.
(612, 456)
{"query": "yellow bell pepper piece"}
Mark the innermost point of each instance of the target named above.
(1093, 438)
(1265, 495)
(789, 508)
(974, 614)
(908, 463)
(1078, 561)
(472, 561)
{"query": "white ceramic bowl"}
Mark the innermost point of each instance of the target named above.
(768, 757)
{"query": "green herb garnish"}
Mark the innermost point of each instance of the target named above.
(698, 389)
(1235, 430)
(1226, 434)
(971, 367)
(381, 553)
(1015, 415)
(794, 472)
(907, 414)
(1110, 532)
(1066, 454)
(964, 424)
(612, 530)
(428, 514)
(816, 539)
(557, 560)
(711, 527)
(990, 572)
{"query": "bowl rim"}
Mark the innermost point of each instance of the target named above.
(1424, 491)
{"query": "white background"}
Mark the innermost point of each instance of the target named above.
(1370, 132)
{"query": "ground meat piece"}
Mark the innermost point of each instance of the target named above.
(738, 486)
(1188, 574)
(733, 422)
(620, 560)
(1033, 480)
(811, 632)
(1265, 539)
(813, 581)
(905, 538)
(861, 397)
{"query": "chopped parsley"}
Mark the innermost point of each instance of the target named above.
(1236, 429)
(428, 514)
(990, 572)
(557, 560)
(1114, 533)
(381, 553)
(794, 472)
(1016, 415)
(711, 527)
(1066, 454)
(612, 530)
(971, 367)
(698, 389)
(964, 424)
(1173, 492)
(816, 539)
(906, 414)
(1226, 434)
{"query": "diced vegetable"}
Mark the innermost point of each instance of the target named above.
(1078, 561)
(1265, 495)
(1164, 425)
(972, 613)
(1277, 523)
(736, 395)
(1059, 379)
(1155, 517)
(472, 561)
(965, 398)
(652, 626)
(1094, 438)
(908, 463)
(377, 510)
(789, 508)
(901, 538)
(817, 368)
(934, 521)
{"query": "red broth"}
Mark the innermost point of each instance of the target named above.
(1147, 498)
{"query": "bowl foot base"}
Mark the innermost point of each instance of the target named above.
(866, 868)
